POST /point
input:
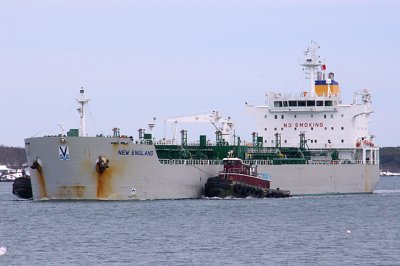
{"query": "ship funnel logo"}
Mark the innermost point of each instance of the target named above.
(63, 153)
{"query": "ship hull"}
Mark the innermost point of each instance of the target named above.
(67, 170)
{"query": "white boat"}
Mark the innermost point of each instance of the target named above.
(387, 173)
(309, 143)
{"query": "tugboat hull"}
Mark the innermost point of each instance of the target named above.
(223, 188)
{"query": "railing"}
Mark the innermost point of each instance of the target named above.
(263, 150)
(259, 162)
(192, 143)
(232, 171)
(190, 162)
(344, 162)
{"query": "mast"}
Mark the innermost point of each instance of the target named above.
(311, 63)
(82, 112)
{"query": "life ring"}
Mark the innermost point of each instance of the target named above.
(367, 142)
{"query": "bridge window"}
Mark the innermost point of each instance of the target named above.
(310, 103)
(320, 103)
(328, 103)
(292, 104)
(301, 103)
(285, 103)
(277, 104)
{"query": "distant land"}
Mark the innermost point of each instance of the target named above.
(390, 159)
(15, 157)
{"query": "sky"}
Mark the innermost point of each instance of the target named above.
(142, 59)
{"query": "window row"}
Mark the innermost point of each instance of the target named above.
(295, 128)
(302, 103)
(295, 116)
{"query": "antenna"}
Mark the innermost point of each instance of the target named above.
(61, 125)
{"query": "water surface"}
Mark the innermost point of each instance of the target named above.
(317, 230)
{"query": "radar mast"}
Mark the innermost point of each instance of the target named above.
(311, 63)
(82, 112)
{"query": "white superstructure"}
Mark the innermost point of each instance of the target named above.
(317, 115)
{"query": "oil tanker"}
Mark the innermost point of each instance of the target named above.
(309, 143)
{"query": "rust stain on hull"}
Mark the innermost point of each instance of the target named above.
(101, 185)
(104, 188)
(41, 183)
(108, 180)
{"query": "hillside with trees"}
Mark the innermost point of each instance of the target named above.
(12, 156)
(15, 157)
(390, 159)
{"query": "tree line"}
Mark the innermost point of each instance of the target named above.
(390, 159)
(12, 156)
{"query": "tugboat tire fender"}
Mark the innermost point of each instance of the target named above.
(239, 188)
(248, 190)
(259, 193)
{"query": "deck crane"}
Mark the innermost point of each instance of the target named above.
(223, 126)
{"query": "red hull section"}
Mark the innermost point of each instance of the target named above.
(235, 170)
(246, 179)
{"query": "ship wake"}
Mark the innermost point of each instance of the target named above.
(387, 191)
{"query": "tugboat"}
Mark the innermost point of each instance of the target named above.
(241, 180)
